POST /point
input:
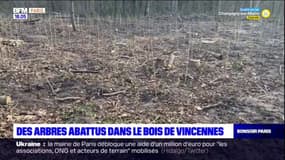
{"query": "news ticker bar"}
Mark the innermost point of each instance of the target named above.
(147, 131)
(175, 149)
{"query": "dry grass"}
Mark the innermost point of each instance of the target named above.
(133, 57)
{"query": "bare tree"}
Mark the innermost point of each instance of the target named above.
(72, 15)
(146, 11)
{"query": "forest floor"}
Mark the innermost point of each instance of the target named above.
(117, 71)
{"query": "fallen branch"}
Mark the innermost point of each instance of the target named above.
(67, 98)
(31, 21)
(209, 106)
(114, 93)
(221, 78)
(209, 40)
(83, 71)
(63, 17)
(30, 60)
(244, 120)
(126, 57)
(51, 88)
(216, 55)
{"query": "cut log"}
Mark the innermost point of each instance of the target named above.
(197, 62)
(5, 100)
(171, 61)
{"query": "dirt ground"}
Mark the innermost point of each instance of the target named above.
(119, 71)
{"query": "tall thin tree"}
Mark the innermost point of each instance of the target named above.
(72, 15)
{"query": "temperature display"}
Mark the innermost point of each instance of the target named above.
(20, 16)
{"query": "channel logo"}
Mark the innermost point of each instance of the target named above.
(20, 13)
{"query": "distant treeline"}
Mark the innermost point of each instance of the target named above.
(135, 8)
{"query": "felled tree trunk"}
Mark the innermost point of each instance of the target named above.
(5, 100)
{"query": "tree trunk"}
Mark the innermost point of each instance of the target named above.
(72, 15)
(146, 11)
